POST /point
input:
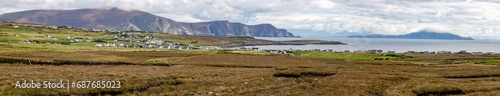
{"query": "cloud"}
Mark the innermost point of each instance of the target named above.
(323, 3)
(464, 17)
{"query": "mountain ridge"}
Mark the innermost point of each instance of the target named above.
(136, 20)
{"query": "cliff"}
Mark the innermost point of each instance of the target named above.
(125, 20)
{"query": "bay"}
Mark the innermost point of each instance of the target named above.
(390, 44)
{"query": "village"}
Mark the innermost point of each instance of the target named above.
(118, 39)
(139, 40)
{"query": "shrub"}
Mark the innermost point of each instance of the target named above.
(99, 40)
(65, 43)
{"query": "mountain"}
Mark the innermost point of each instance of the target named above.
(226, 28)
(418, 35)
(125, 20)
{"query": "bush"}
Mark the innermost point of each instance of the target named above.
(65, 43)
(438, 90)
(99, 40)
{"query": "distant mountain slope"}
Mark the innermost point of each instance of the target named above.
(418, 35)
(124, 20)
(226, 28)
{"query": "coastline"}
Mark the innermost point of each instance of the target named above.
(290, 42)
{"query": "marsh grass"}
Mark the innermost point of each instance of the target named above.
(200, 74)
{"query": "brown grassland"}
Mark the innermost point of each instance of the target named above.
(146, 72)
(209, 73)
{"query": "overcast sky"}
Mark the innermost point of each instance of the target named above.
(478, 18)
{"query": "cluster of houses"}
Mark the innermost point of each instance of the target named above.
(137, 40)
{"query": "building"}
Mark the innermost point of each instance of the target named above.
(461, 52)
(255, 48)
(375, 51)
(76, 40)
(444, 52)
(426, 52)
(490, 53)
(391, 52)
(26, 41)
(477, 53)
(411, 52)
(99, 45)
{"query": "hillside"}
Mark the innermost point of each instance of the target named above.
(11, 32)
(417, 35)
(125, 20)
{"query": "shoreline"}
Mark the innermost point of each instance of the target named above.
(290, 42)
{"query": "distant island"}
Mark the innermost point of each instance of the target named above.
(417, 35)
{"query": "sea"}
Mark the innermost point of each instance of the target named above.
(389, 44)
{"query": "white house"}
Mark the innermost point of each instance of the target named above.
(99, 45)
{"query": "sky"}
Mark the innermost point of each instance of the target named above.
(474, 18)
